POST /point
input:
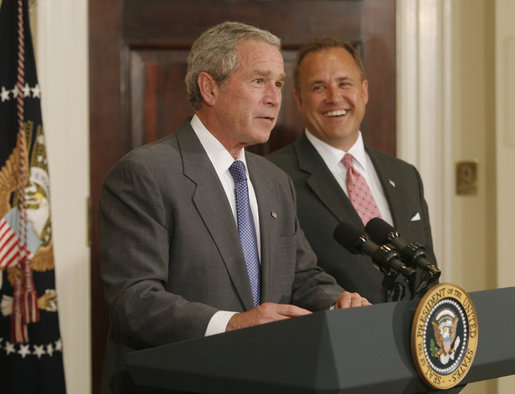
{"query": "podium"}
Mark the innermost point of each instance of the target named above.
(358, 350)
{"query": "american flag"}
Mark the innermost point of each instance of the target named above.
(30, 342)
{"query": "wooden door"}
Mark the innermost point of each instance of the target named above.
(138, 51)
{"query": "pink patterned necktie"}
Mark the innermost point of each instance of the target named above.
(359, 192)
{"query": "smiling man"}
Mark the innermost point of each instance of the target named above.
(331, 91)
(198, 236)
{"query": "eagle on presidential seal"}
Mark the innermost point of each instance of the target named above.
(445, 326)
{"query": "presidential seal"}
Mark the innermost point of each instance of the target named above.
(444, 336)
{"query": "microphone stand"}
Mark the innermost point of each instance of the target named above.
(393, 290)
(392, 266)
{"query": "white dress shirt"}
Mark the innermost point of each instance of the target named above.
(222, 160)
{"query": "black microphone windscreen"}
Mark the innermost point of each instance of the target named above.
(379, 231)
(349, 236)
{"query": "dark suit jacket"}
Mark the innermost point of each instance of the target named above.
(322, 205)
(171, 255)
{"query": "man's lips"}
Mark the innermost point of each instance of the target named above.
(338, 112)
(267, 118)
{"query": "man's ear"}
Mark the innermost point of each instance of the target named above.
(208, 88)
(364, 86)
(298, 100)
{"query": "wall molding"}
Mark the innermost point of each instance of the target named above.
(424, 110)
(62, 62)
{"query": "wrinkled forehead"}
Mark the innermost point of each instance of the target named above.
(259, 56)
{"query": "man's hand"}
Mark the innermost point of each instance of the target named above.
(264, 313)
(350, 300)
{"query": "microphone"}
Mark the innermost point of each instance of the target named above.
(356, 241)
(412, 253)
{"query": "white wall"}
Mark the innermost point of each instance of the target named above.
(62, 43)
(447, 113)
(473, 216)
(505, 147)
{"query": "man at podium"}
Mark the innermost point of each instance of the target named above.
(197, 235)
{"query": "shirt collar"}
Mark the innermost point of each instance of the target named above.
(219, 156)
(333, 156)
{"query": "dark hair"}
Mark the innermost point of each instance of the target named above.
(319, 44)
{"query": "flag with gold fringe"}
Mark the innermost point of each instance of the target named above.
(30, 343)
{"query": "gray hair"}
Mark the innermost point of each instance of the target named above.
(215, 52)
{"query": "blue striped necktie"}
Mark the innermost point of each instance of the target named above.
(246, 228)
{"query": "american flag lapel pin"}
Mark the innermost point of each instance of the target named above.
(274, 214)
(391, 182)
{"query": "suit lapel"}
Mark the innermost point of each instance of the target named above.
(267, 205)
(321, 181)
(214, 209)
(388, 178)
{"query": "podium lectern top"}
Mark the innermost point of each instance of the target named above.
(359, 350)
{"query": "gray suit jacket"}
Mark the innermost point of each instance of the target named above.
(322, 205)
(171, 255)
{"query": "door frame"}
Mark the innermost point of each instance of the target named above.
(425, 108)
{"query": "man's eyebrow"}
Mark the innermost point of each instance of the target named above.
(321, 81)
(262, 73)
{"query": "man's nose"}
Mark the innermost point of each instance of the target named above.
(332, 94)
(273, 96)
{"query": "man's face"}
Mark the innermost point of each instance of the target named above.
(332, 97)
(248, 102)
